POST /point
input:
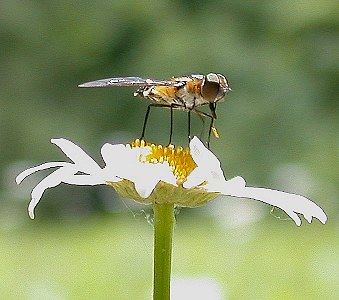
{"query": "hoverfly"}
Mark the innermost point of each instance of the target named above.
(185, 93)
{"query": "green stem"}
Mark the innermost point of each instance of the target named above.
(163, 232)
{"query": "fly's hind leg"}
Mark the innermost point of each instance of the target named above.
(171, 127)
(147, 115)
(189, 126)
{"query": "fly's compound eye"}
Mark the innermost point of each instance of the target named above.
(210, 88)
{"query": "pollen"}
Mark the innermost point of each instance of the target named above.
(178, 158)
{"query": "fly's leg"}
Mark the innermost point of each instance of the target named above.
(171, 127)
(203, 125)
(172, 106)
(145, 122)
(189, 126)
(203, 114)
(147, 115)
(213, 107)
(209, 132)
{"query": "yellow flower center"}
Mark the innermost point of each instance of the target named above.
(178, 158)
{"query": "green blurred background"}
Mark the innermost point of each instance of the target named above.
(279, 128)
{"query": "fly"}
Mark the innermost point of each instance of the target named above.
(186, 93)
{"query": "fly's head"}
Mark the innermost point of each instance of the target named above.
(214, 88)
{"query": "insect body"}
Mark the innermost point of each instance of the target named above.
(186, 93)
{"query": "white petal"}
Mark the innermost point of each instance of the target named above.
(145, 188)
(41, 167)
(126, 163)
(84, 179)
(67, 175)
(194, 179)
(113, 153)
(51, 180)
(162, 172)
(208, 166)
(290, 203)
(226, 186)
(147, 175)
(84, 162)
(203, 156)
(117, 158)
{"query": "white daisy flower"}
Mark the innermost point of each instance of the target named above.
(151, 173)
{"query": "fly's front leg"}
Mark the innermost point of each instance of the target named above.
(213, 107)
(203, 114)
(209, 132)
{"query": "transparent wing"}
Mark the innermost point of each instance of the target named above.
(126, 81)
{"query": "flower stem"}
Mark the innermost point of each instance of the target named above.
(163, 232)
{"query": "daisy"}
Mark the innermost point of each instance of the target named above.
(149, 174)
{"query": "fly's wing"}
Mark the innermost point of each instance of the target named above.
(188, 78)
(126, 81)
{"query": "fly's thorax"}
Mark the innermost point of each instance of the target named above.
(188, 95)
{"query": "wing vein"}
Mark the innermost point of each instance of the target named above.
(127, 81)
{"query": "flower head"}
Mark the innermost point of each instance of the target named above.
(150, 173)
